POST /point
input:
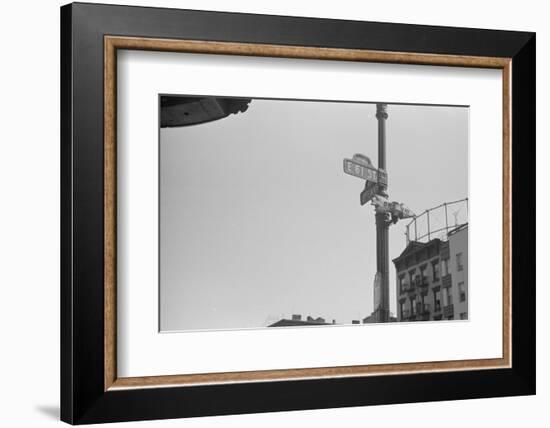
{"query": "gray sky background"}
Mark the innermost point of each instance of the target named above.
(258, 220)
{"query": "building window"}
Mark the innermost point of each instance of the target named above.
(462, 291)
(459, 265)
(463, 316)
(401, 283)
(445, 266)
(411, 277)
(413, 306)
(449, 296)
(402, 309)
(437, 300)
(435, 270)
(423, 277)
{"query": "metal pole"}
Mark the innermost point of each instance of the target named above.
(382, 226)
(446, 221)
(428, 216)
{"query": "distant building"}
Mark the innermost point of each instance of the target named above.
(297, 320)
(432, 278)
(458, 268)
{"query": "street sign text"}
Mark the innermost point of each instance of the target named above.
(356, 169)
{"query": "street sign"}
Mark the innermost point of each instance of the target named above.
(361, 170)
(362, 167)
(362, 159)
(371, 189)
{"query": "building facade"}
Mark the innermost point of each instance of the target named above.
(432, 278)
(458, 269)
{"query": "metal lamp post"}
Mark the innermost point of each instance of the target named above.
(382, 225)
(386, 213)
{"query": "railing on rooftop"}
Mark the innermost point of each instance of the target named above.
(437, 222)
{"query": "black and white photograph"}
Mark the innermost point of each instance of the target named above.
(244, 214)
(282, 217)
(311, 213)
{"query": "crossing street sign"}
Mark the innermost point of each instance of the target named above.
(361, 170)
(371, 189)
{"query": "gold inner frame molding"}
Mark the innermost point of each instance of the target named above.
(113, 43)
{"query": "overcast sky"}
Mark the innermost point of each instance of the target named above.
(258, 220)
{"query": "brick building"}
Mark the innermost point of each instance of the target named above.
(432, 278)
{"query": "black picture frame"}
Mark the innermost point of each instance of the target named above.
(83, 396)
